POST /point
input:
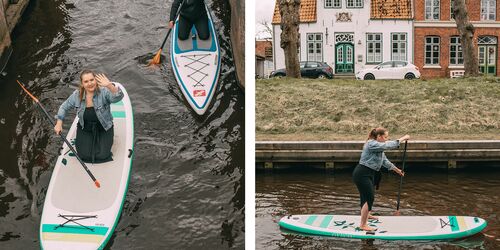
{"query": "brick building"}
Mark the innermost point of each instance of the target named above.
(263, 58)
(437, 50)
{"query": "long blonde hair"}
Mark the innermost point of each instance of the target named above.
(81, 88)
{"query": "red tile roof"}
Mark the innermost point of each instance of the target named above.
(390, 9)
(261, 47)
(307, 12)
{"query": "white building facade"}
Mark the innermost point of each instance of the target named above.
(350, 36)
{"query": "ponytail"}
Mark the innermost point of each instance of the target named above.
(374, 133)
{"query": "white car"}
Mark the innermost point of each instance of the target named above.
(390, 70)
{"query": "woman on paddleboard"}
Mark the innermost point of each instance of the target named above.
(192, 12)
(94, 135)
(372, 160)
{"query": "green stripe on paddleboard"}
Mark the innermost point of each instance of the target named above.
(310, 220)
(326, 221)
(118, 114)
(454, 223)
(120, 103)
(52, 228)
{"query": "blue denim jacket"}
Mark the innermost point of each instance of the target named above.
(102, 107)
(373, 154)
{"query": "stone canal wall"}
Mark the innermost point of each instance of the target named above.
(337, 153)
(4, 30)
(10, 14)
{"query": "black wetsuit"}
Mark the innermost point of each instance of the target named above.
(93, 143)
(193, 12)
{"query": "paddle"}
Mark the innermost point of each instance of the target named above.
(96, 182)
(401, 180)
(157, 57)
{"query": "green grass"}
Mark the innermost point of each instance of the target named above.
(309, 109)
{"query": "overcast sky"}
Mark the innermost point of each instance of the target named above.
(264, 10)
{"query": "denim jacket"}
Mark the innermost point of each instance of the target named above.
(101, 100)
(373, 154)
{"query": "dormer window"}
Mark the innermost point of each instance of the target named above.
(333, 4)
(354, 3)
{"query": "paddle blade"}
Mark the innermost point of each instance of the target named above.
(97, 184)
(27, 92)
(397, 213)
(156, 59)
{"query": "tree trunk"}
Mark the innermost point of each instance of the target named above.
(466, 31)
(289, 11)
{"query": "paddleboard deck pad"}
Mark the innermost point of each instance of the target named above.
(196, 65)
(387, 227)
(76, 214)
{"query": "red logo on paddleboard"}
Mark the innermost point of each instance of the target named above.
(198, 93)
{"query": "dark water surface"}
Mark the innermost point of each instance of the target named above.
(471, 192)
(186, 188)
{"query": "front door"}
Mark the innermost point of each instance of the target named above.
(344, 54)
(488, 59)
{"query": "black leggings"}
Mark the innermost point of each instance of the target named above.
(186, 24)
(364, 178)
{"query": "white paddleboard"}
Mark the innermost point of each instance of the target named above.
(196, 66)
(388, 227)
(76, 214)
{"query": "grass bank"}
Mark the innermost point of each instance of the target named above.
(440, 109)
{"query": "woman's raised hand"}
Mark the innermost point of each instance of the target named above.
(404, 138)
(102, 80)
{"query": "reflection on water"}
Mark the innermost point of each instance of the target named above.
(186, 188)
(469, 192)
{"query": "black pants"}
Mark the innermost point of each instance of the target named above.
(94, 146)
(93, 143)
(200, 23)
(364, 178)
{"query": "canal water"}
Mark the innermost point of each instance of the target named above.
(186, 188)
(473, 192)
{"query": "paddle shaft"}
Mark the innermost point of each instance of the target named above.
(170, 30)
(402, 170)
(67, 143)
(61, 135)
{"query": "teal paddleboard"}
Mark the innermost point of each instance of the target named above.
(76, 214)
(387, 227)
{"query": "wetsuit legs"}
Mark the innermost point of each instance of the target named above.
(184, 28)
(201, 25)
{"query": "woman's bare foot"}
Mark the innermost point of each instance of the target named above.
(371, 217)
(367, 228)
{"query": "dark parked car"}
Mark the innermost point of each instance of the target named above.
(309, 69)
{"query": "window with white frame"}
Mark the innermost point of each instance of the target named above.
(315, 47)
(431, 50)
(488, 10)
(432, 9)
(333, 3)
(373, 47)
(354, 3)
(456, 56)
(398, 46)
